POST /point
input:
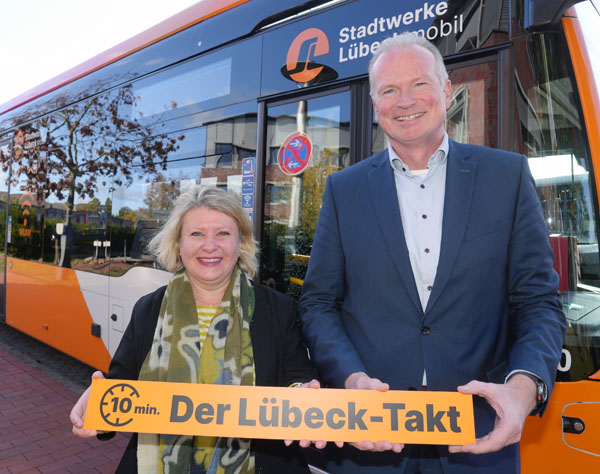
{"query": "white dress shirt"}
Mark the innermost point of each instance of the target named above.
(421, 195)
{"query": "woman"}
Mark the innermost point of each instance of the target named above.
(209, 313)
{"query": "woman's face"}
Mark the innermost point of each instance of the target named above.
(209, 246)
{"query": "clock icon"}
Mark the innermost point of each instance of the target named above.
(116, 404)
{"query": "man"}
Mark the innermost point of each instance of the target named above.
(431, 269)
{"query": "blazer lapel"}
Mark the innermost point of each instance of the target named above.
(385, 202)
(460, 177)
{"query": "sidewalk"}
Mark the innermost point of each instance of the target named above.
(35, 431)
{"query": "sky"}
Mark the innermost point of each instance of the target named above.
(40, 39)
(590, 23)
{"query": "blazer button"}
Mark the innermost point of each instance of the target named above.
(425, 331)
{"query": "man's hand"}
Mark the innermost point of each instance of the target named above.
(512, 401)
(78, 412)
(305, 443)
(361, 381)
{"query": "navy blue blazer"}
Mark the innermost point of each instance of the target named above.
(494, 305)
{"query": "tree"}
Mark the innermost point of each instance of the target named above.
(314, 180)
(94, 205)
(126, 213)
(161, 194)
(87, 144)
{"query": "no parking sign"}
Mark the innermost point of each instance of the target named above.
(294, 155)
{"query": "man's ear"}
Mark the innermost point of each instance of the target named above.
(448, 93)
(374, 108)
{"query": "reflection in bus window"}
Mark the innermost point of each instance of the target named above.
(4, 168)
(228, 76)
(293, 202)
(186, 88)
(484, 24)
(63, 167)
(473, 115)
(140, 207)
(210, 155)
(457, 116)
(550, 131)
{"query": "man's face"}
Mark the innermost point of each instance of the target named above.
(409, 101)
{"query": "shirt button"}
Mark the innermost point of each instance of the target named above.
(424, 216)
(403, 169)
(425, 331)
(429, 288)
(422, 186)
(426, 250)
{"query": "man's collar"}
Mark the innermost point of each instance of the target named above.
(438, 158)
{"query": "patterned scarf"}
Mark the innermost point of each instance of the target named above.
(226, 357)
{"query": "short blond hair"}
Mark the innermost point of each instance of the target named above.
(165, 244)
(403, 41)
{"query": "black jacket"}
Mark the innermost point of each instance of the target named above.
(280, 358)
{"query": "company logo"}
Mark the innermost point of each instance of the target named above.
(313, 42)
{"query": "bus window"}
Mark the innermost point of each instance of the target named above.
(140, 207)
(57, 202)
(293, 199)
(26, 209)
(473, 115)
(5, 146)
(62, 171)
(228, 76)
(210, 155)
(550, 131)
(47, 232)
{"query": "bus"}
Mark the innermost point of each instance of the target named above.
(267, 99)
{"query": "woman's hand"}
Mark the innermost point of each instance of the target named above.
(78, 412)
(305, 443)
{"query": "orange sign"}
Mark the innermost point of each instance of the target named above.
(19, 142)
(281, 413)
(26, 201)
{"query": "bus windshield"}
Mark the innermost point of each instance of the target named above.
(552, 134)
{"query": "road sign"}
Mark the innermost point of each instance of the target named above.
(247, 201)
(248, 166)
(247, 184)
(294, 155)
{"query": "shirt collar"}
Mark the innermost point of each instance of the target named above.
(437, 159)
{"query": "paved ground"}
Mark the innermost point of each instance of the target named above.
(73, 373)
(37, 390)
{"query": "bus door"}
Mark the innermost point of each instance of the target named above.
(5, 151)
(306, 140)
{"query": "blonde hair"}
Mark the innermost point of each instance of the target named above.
(402, 41)
(165, 244)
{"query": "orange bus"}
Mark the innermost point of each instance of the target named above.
(220, 94)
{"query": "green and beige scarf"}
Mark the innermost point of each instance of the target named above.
(225, 357)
